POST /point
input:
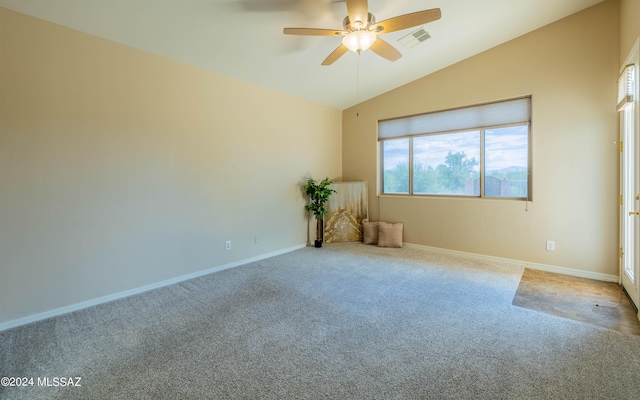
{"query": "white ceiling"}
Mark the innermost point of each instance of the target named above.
(244, 39)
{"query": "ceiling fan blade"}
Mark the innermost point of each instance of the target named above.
(312, 32)
(337, 53)
(384, 49)
(406, 21)
(358, 10)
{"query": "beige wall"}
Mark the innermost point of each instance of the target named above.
(629, 26)
(119, 168)
(570, 68)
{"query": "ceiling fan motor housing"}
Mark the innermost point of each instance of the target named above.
(371, 20)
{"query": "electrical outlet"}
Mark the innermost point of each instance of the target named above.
(227, 245)
(256, 240)
(551, 245)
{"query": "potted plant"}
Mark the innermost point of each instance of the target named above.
(318, 194)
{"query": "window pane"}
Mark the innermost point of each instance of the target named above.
(447, 164)
(395, 162)
(506, 154)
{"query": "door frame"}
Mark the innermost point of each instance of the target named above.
(630, 196)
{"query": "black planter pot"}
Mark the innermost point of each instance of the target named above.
(318, 243)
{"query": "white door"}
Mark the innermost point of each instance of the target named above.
(629, 108)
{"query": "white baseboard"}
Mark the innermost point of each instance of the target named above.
(89, 303)
(525, 264)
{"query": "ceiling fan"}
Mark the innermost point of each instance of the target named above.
(361, 30)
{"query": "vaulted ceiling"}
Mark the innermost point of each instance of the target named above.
(244, 39)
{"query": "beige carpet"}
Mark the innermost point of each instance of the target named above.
(347, 321)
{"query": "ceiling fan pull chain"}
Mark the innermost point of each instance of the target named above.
(358, 85)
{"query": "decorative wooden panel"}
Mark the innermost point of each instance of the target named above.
(345, 211)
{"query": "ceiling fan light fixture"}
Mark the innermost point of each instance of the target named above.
(359, 41)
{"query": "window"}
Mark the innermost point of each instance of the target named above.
(480, 151)
(395, 155)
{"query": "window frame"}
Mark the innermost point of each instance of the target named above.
(482, 177)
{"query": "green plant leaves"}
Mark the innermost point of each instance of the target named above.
(318, 194)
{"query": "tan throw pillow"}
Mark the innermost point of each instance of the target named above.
(370, 232)
(390, 235)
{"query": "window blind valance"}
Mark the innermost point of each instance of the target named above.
(626, 85)
(507, 112)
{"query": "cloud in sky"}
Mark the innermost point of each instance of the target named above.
(395, 152)
(506, 147)
(432, 150)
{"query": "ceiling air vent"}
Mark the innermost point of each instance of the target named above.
(414, 38)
